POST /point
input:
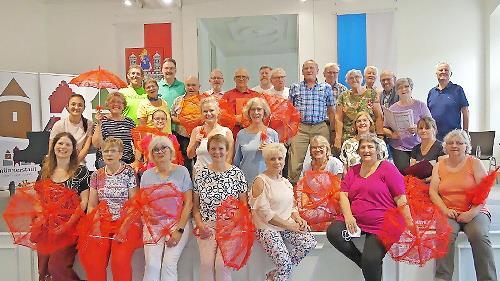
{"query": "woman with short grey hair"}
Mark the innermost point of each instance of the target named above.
(402, 142)
(161, 258)
(451, 181)
(276, 217)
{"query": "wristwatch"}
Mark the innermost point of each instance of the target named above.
(181, 230)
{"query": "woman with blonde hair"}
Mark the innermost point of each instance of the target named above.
(322, 158)
(276, 217)
(251, 140)
(363, 124)
(199, 136)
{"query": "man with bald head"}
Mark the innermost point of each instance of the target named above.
(388, 96)
(192, 85)
(315, 102)
(331, 74)
(448, 103)
(216, 81)
(238, 96)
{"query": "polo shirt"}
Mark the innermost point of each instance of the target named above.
(170, 92)
(446, 107)
(238, 99)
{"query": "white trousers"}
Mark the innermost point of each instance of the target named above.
(212, 266)
(161, 261)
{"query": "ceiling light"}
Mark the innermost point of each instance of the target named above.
(303, 0)
(127, 3)
(168, 2)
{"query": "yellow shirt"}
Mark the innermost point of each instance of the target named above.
(146, 109)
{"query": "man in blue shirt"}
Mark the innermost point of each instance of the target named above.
(315, 102)
(448, 103)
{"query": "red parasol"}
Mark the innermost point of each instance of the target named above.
(142, 136)
(480, 192)
(284, 117)
(234, 232)
(317, 196)
(427, 240)
(190, 114)
(37, 216)
(158, 207)
(99, 79)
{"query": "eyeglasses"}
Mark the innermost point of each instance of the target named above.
(160, 119)
(321, 147)
(278, 77)
(216, 78)
(241, 77)
(110, 151)
(455, 142)
(160, 149)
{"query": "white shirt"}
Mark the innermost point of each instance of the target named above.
(259, 89)
(283, 93)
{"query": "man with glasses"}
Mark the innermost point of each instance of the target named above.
(315, 102)
(278, 79)
(447, 103)
(388, 96)
(331, 74)
(216, 81)
(239, 96)
(170, 87)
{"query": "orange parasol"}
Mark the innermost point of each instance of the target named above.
(99, 79)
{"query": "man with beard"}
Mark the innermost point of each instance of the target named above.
(265, 83)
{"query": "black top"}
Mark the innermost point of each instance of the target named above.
(79, 182)
(434, 152)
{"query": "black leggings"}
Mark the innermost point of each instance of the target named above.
(370, 260)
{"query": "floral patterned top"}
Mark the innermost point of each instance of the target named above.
(352, 104)
(214, 187)
(349, 152)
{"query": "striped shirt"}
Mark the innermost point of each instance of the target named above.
(119, 129)
(312, 103)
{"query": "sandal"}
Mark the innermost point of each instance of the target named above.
(270, 275)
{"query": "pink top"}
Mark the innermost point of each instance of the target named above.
(453, 185)
(371, 197)
(275, 200)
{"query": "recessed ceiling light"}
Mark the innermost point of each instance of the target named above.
(168, 2)
(303, 0)
(127, 2)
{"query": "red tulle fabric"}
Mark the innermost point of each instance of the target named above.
(234, 232)
(317, 196)
(227, 117)
(142, 136)
(481, 191)
(417, 192)
(190, 114)
(284, 117)
(37, 216)
(427, 239)
(157, 208)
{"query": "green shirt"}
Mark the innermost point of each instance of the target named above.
(134, 96)
(170, 92)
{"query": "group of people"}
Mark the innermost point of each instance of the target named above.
(249, 163)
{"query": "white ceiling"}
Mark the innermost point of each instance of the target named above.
(255, 35)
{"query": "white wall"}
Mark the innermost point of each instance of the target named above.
(24, 31)
(493, 98)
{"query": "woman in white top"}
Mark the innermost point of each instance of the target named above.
(322, 159)
(199, 136)
(75, 124)
(276, 218)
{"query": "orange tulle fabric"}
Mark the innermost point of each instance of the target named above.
(38, 216)
(226, 115)
(417, 192)
(317, 196)
(95, 226)
(284, 117)
(156, 208)
(190, 114)
(481, 191)
(234, 232)
(142, 136)
(427, 239)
